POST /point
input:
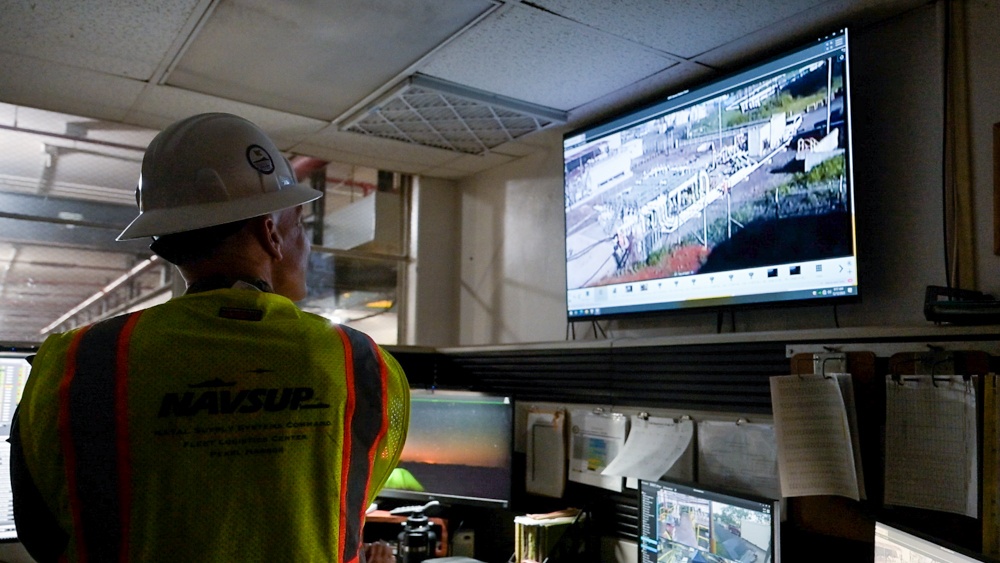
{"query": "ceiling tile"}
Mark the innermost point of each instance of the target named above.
(445, 173)
(315, 58)
(375, 147)
(376, 161)
(807, 25)
(477, 163)
(644, 92)
(521, 147)
(538, 57)
(42, 84)
(128, 38)
(162, 105)
(682, 28)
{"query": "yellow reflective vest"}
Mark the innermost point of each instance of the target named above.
(220, 426)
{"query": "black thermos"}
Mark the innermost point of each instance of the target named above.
(417, 541)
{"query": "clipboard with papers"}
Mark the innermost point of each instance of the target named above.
(596, 437)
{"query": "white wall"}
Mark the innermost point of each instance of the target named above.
(512, 278)
(511, 245)
(431, 317)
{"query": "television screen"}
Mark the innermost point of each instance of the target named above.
(13, 375)
(687, 523)
(735, 193)
(458, 449)
(894, 544)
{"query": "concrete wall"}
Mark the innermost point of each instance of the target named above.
(511, 279)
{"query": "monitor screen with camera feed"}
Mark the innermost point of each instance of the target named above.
(458, 450)
(896, 544)
(736, 193)
(14, 370)
(685, 523)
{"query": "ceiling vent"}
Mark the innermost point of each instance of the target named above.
(435, 113)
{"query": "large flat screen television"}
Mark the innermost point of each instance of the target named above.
(686, 523)
(736, 193)
(458, 450)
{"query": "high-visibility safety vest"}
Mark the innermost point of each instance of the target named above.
(220, 426)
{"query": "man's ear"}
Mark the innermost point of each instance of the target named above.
(265, 230)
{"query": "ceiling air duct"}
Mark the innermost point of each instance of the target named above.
(432, 112)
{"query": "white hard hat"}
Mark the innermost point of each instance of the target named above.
(211, 169)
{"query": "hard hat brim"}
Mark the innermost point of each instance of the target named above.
(158, 222)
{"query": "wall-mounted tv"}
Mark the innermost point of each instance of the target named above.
(688, 523)
(458, 450)
(736, 193)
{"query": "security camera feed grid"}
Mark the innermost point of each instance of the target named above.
(731, 179)
(701, 527)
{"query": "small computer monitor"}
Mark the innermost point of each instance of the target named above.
(687, 523)
(894, 543)
(14, 370)
(458, 449)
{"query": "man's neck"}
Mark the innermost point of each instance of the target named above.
(226, 282)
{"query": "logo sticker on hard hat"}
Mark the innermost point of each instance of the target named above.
(259, 159)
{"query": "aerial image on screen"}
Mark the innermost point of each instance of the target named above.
(734, 193)
(681, 524)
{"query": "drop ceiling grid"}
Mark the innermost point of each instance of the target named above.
(531, 55)
(127, 38)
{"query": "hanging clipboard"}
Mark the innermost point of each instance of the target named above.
(838, 516)
(960, 528)
(595, 439)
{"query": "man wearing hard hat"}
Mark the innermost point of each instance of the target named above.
(225, 424)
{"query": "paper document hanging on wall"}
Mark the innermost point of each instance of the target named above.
(740, 456)
(930, 443)
(655, 447)
(595, 440)
(545, 472)
(815, 442)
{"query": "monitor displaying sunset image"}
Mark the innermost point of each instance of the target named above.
(458, 448)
